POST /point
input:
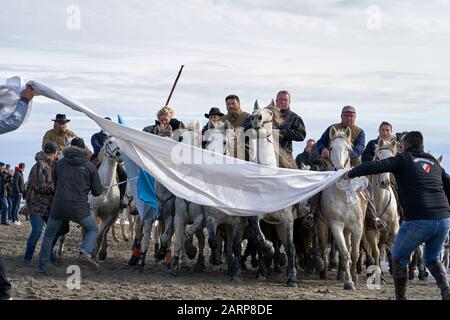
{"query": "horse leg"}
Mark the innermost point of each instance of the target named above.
(236, 239)
(189, 247)
(229, 248)
(109, 221)
(356, 237)
(113, 233)
(338, 234)
(211, 226)
(333, 263)
(179, 224)
(200, 265)
(373, 240)
(136, 245)
(166, 237)
(148, 223)
(265, 246)
(322, 235)
(285, 231)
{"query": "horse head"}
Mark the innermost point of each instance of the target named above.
(164, 131)
(265, 118)
(340, 147)
(111, 150)
(218, 135)
(191, 134)
(384, 150)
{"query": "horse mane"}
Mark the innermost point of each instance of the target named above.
(276, 115)
(382, 144)
(340, 133)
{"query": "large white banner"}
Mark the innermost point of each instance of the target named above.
(235, 186)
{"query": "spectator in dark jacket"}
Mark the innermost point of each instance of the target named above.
(75, 177)
(292, 128)
(9, 177)
(18, 189)
(303, 159)
(348, 120)
(424, 193)
(3, 194)
(39, 195)
(384, 133)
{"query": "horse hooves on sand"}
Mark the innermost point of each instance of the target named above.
(236, 280)
(292, 284)
(349, 286)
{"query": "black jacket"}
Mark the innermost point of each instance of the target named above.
(292, 129)
(369, 151)
(3, 181)
(75, 177)
(18, 185)
(424, 186)
(307, 159)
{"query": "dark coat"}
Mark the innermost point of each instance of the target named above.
(18, 185)
(98, 140)
(40, 186)
(292, 129)
(75, 177)
(424, 186)
(369, 152)
(3, 181)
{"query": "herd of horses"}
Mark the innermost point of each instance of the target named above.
(338, 237)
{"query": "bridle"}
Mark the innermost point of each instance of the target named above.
(349, 149)
(108, 152)
(378, 182)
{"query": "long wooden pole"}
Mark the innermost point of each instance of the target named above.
(174, 85)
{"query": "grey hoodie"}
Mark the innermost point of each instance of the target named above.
(75, 177)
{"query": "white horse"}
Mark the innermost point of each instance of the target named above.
(262, 150)
(107, 205)
(218, 135)
(343, 217)
(385, 205)
(189, 218)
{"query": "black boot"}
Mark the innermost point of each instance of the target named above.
(400, 274)
(440, 274)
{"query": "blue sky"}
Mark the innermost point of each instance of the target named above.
(388, 59)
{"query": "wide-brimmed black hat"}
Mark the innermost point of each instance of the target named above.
(214, 112)
(61, 118)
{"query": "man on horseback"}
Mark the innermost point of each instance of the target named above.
(292, 127)
(214, 115)
(385, 133)
(348, 120)
(60, 134)
(425, 194)
(358, 139)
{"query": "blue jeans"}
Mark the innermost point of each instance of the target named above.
(5, 208)
(10, 207)
(87, 246)
(37, 222)
(16, 197)
(413, 233)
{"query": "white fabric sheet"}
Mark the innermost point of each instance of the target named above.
(236, 187)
